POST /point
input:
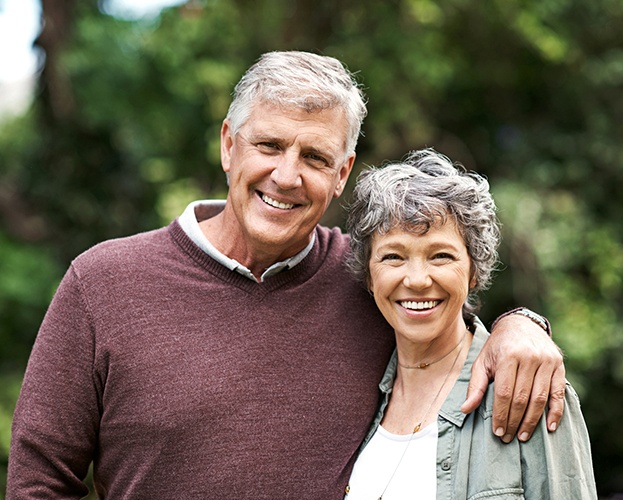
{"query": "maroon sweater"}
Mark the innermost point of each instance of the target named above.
(182, 379)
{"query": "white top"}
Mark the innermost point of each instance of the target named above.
(415, 476)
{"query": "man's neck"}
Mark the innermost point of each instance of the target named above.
(234, 245)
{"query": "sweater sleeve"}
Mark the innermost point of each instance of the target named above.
(57, 414)
(559, 464)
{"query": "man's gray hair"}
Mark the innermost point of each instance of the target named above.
(424, 190)
(303, 80)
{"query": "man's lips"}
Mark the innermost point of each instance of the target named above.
(277, 204)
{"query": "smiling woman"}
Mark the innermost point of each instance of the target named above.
(420, 283)
(424, 238)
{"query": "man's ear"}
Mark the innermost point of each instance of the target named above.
(227, 142)
(344, 172)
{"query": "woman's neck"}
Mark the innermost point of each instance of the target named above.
(418, 394)
(423, 355)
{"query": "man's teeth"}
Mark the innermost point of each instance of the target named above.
(419, 306)
(276, 204)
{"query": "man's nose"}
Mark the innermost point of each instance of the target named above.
(287, 171)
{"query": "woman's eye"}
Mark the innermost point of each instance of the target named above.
(443, 256)
(390, 256)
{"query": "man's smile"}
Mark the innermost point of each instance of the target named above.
(273, 203)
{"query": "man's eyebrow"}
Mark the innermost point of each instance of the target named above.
(327, 153)
(263, 137)
(316, 151)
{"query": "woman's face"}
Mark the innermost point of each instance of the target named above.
(420, 282)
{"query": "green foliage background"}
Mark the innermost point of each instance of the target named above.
(124, 132)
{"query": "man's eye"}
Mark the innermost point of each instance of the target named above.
(268, 145)
(316, 158)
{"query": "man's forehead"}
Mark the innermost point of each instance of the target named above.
(280, 122)
(267, 108)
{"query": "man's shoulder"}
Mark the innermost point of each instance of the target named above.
(124, 250)
(333, 238)
(333, 248)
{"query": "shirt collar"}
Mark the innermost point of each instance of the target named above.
(451, 409)
(189, 223)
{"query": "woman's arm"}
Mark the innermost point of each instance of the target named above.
(559, 465)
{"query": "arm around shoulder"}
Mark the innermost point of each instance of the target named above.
(529, 374)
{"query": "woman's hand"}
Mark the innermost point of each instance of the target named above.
(528, 371)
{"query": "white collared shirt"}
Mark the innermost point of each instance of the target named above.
(189, 223)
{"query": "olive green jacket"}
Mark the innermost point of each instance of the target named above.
(473, 463)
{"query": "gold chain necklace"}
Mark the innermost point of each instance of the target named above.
(421, 366)
(418, 425)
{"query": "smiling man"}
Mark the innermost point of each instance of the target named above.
(231, 354)
(284, 166)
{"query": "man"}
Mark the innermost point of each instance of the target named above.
(230, 354)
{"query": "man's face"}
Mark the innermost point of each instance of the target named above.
(285, 165)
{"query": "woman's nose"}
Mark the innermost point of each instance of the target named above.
(417, 276)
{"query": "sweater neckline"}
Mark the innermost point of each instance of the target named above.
(297, 274)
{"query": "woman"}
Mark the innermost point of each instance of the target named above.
(424, 238)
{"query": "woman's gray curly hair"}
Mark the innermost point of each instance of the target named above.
(416, 194)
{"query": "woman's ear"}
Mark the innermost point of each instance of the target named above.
(473, 281)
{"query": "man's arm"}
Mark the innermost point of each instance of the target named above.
(528, 371)
(56, 418)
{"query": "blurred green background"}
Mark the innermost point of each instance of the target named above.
(124, 132)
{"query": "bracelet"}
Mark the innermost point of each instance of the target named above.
(534, 317)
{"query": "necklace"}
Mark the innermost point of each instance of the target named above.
(421, 366)
(418, 425)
